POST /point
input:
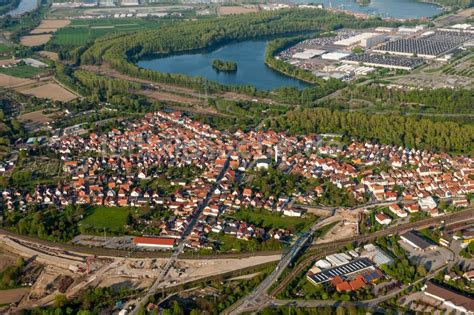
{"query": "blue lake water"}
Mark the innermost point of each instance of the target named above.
(24, 7)
(400, 9)
(249, 56)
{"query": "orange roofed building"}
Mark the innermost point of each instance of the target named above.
(157, 242)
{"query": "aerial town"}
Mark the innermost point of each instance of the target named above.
(213, 157)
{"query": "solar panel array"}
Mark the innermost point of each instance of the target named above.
(346, 269)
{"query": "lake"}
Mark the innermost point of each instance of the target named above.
(24, 7)
(249, 56)
(400, 9)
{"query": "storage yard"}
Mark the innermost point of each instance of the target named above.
(350, 54)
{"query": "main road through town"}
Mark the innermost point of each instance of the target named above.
(182, 241)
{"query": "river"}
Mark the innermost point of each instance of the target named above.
(249, 56)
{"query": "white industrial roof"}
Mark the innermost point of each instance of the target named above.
(308, 54)
(355, 39)
(335, 55)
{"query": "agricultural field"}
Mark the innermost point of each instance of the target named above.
(35, 40)
(10, 81)
(51, 91)
(80, 32)
(23, 71)
(49, 26)
(35, 120)
(229, 10)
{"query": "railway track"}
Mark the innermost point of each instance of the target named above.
(318, 251)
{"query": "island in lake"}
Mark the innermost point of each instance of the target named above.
(223, 65)
(363, 2)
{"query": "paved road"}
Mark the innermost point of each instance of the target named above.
(258, 295)
(182, 241)
(259, 299)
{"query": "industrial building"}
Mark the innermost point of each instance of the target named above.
(450, 298)
(337, 55)
(365, 40)
(355, 266)
(417, 241)
(377, 255)
(308, 54)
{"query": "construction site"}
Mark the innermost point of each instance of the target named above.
(58, 271)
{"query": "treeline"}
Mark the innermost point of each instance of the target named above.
(103, 86)
(121, 52)
(48, 224)
(388, 129)
(443, 100)
(8, 5)
(455, 3)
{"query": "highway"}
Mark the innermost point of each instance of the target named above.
(258, 298)
(258, 295)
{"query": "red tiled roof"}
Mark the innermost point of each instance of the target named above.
(154, 240)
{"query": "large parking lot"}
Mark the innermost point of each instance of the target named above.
(430, 259)
(429, 46)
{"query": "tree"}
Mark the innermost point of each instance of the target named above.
(60, 301)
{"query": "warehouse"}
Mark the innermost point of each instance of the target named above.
(417, 241)
(308, 54)
(352, 267)
(335, 55)
(366, 40)
(449, 298)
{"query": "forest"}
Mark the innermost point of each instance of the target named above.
(399, 130)
(437, 100)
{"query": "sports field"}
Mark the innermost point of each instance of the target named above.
(80, 32)
(110, 218)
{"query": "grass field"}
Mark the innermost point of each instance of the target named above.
(4, 48)
(111, 218)
(23, 71)
(267, 219)
(80, 32)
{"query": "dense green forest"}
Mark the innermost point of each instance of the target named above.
(455, 3)
(437, 100)
(390, 129)
(122, 51)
